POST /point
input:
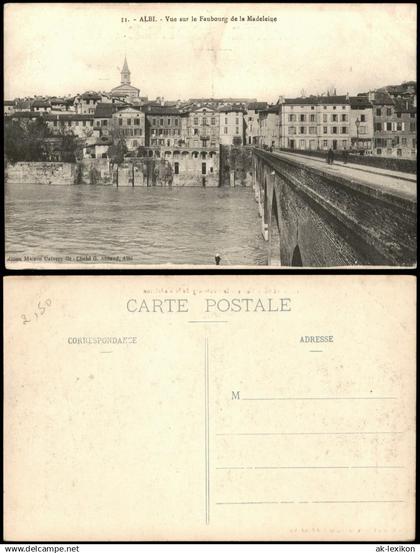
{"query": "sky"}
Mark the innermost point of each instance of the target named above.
(59, 49)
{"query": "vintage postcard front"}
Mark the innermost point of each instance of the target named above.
(194, 134)
(193, 408)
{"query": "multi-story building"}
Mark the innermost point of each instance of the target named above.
(299, 125)
(79, 124)
(334, 122)
(130, 123)
(252, 127)
(269, 127)
(361, 124)
(202, 127)
(125, 89)
(41, 106)
(86, 103)
(232, 125)
(394, 126)
(164, 126)
(405, 129)
(103, 120)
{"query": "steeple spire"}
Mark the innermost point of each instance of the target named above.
(125, 73)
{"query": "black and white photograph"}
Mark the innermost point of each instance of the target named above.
(210, 135)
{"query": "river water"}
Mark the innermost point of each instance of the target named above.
(133, 225)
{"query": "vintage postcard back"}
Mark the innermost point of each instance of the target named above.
(193, 408)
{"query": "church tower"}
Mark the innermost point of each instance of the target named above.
(125, 73)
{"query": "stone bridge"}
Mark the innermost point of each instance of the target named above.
(319, 215)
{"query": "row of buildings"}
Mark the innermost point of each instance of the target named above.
(380, 122)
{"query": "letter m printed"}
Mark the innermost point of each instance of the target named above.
(235, 395)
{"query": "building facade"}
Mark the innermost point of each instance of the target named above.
(232, 125)
(252, 127)
(130, 124)
(164, 126)
(202, 127)
(395, 126)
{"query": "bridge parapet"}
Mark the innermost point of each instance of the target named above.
(316, 215)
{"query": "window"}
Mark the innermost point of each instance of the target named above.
(161, 122)
(362, 129)
(169, 121)
(213, 120)
(399, 126)
(334, 130)
(128, 122)
(378, 126)
(404, 141)
(154, 122)
(399, 115)
(195, 120)
(237, 130)
(343, 130)
(378, 112)
(302, 117)
(292, 130)
(344, 117)
(325, 118)
(120, 122)
(334, 117)
(388, 111)
(412, 115)
(226, 120)
(379, 151)
(312, 117)
(237, 120)
(412, 127)
(105, 123)
(292, 117)
(302, 130)
(176, 122)
(312, 107)
(204, 120)
(195, 131)
(226, 130)
(325, 142)
(325, 130)
(363, 118)
(203, 168)
(312, 130)
(388, 126)
(176, 168)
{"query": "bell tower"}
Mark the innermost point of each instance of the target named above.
(125, 73)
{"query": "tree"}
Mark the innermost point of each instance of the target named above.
(25, 141)
(118, 148)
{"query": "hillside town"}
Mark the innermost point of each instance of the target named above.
(122, 123)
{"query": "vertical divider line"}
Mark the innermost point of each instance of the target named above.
(206, 426)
